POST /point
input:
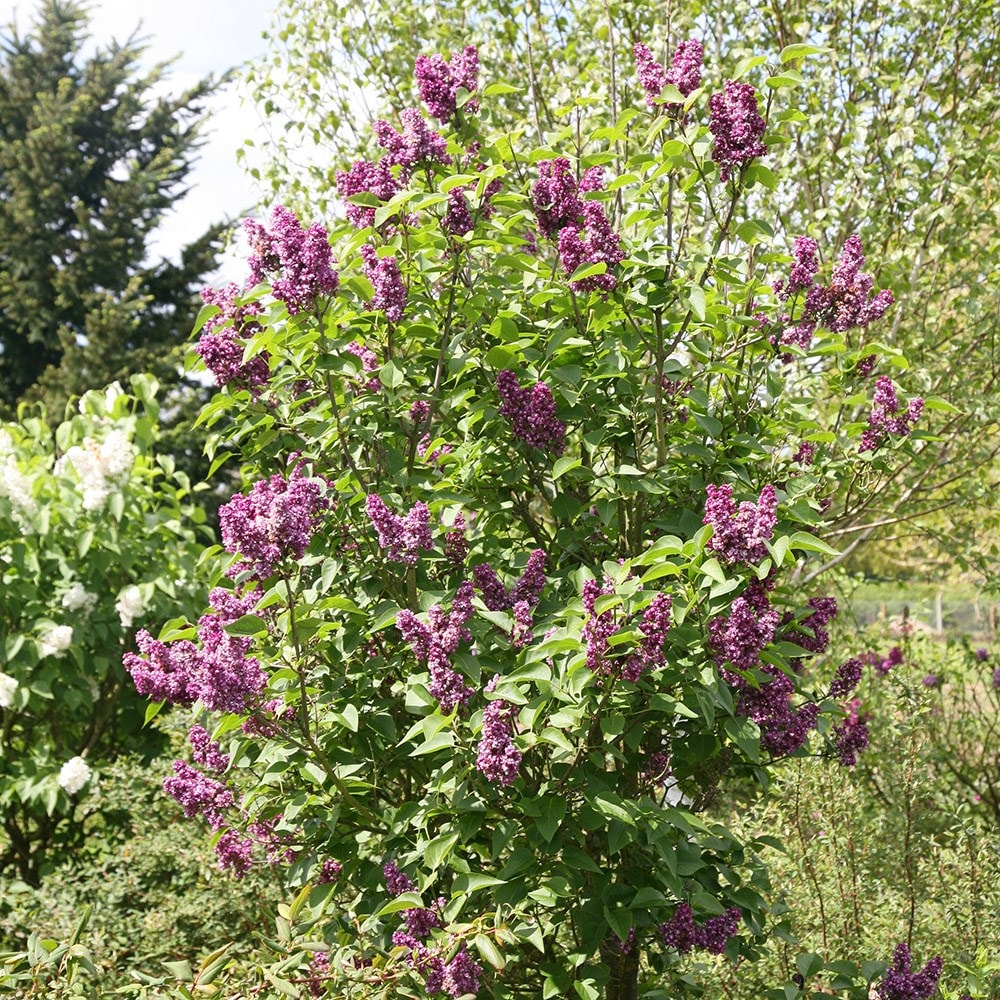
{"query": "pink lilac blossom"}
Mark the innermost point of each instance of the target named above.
(684, 73)
(885, 417)
(555, 197)
(419, 411)
(458, 219)
(497, 757)
(369, 365)
(223, 337)
(532, 413)
(648, 655)
(387, 281)
(805, 266)
(595, 243)
(901, 983)
(806, 453)
(884, 665)
(302, 256)
(272, 522)
(847, 301)
(440, 81)
(683, 934)
(415, 144)
(738, 127)
(198, 794)
(437, 640)
(851, 735)
(402, 537)
(461, 975)
(319, 971)
(739, 534)
(206, 751)
(527, 588)
(652, 76)
(366, 178)
(863, 368)
(741, 636)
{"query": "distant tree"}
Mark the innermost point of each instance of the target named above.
(91, 157)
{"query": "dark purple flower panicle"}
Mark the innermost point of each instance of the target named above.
(846, 679)
(885, 417)
(595, 243)
(456, 545)
(436, 640)
(682, 934)
(198, 794)
(806, 453)
(741, 636)
(402, 537)
(739, 534)
(223, 338)
(982, 654)
(206, 751)
(384, 274)
(275, 520)
(528, 586)
(532, 413)
(329, 872)
(738, 127)
(805, 265)
(497, 757)
(440, 81)
(901, 983)
(417, 143)
(651, 74)
(299, 260)
(851, 735)
(684, 73)
(396, 881)
(555, 197)
(366, 178)
(649, 654)
(817, 638)
(598, 628)
(461, 975)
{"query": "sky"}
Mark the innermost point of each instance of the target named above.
(207, 37)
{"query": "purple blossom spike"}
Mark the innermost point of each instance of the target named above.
(595, 243)
(396, 881)
(235, 853)
(651, 74)
(901, 983)
(846, 679)
(497, 757)
(440, 81)
(738, 127)
(417, 143)
(402, 537)
(198, 794)
(223, 338)
(739, 534)
(369, 365)
(683, 934)
(851, 735)
(532, 413)
(847, 302)
(685, 68)
(366, 178)
(387, 280)
(299, 258)
(555, 197)
(206, 751)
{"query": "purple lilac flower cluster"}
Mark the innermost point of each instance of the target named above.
(329, 871)
(440, 80)
(555, 197)
(847, 677)
(387, 280)
(739, 533)
(885, 417)
(457, 978)
(497, 757)
(396, 880)
(436, 640)
(595, 243)
(302, 256)
(365, 177)
(235, 852)
(684, 72)
(275, 520)
(206, 751)
(369, 365)
(222, 340)
(522, 598)
(598, 628)
(884, 664)
(532, 413)
(739, 637)
(738, 127)
(901, 983)
(401, 537)
(417, 143)
(220, 674)
(982, 654)
(806, 453)
(198, 794)
(681, 933)
(812, 633)
(456, 545)
(851, 735)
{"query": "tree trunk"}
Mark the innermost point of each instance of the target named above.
(624, 968)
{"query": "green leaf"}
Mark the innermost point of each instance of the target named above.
(696, 300)
(152, 711)
(612, 806)
(799, 51)
(247, 625)
(438, 849)
(489, 951)
(391, 375)
(588, 271)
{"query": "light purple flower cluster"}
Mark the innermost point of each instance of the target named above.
(437, 640)
(206, 751)
(681, 933)
(532, 413)
(847, 677)
(235, 852)
(401, 537)
(417, 143)
(595, 243)
(387, 280)
(302, 256)
(738, 127)
(198, 794)
(365, 177)
(220, 674)
(457, 978)
(599, 627)
(851, 735)
(369, 365)
(885, 417)
(440, 81)
(739, 534)
(275, 520)
(901, 983)
(817, 638)
(684, 72)
(497, 758)
(222, 340)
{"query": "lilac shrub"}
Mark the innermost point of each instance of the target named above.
(539, 600)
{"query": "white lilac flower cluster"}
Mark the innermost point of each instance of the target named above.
(8, 685)
(56, 641)
(16, 486)
(129, 606)
(78, 598)
(74, 774)
(101, 465)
